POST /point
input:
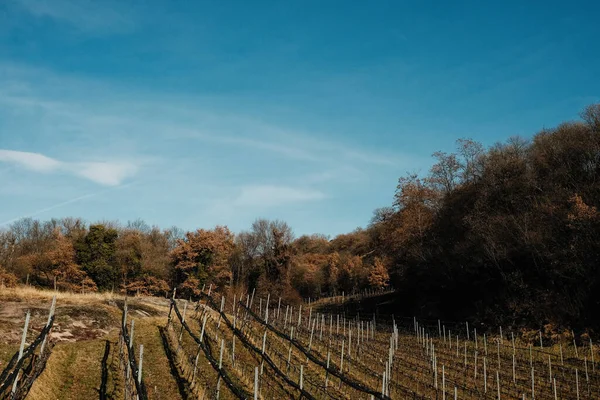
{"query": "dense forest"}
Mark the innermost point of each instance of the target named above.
(508, 234)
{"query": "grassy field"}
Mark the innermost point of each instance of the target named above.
(84, 322)
(317, 352)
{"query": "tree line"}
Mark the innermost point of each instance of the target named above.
(505, 234)
(70, 254)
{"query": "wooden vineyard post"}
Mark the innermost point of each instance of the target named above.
(290, 349)
(203, 325)
(170, 308)
(139, 377)
(311, 338)
(498, 379)
(485, 344)
(444, 331)
(267, 309)
(263, 350)
(327, 370)
(233, 351)
(512, 336)
(498, 345)
(220, 367)
(50, 314)
(196, 364)
(182, 320)
(484, 375)
(233, 304)
(255, 383)
(349, 341)
(301, 376)
(21, 348)
(382, 384)
(514, 369)
(443, 382)
(278, 307)
(475, 366)
(131, 334)
(562, 361)
(323, 323)
(587, 377)
(220, 312)
(342, 360)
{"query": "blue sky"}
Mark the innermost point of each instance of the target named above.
(196, 113)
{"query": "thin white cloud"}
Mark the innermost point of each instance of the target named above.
(64, 203)
(86, 15)
(104, 173)
(271, 195)
(32, 161)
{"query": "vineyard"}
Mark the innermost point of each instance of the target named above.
(246, 347)
(268, 350)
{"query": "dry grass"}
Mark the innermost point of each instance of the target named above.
(159, 382)
(73, 372)
(83, 324)
(29, 293)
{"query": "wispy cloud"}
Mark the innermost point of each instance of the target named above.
(104, 173)
(171, 119)
(63, 203)
(271, 196)
(32, 161)
(86, 15)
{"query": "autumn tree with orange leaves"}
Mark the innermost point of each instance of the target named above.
(202, 258)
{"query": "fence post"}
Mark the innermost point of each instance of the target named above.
(141, 362)
(50, 314)
(23, 338)
(131, 334)
(220, 368)
(255, 383)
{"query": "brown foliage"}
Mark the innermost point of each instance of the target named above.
(7, 279)
(202, 258)
(148, 286)
(378, 275)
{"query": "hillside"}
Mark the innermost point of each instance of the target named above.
(241, 346)
(84, 323)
